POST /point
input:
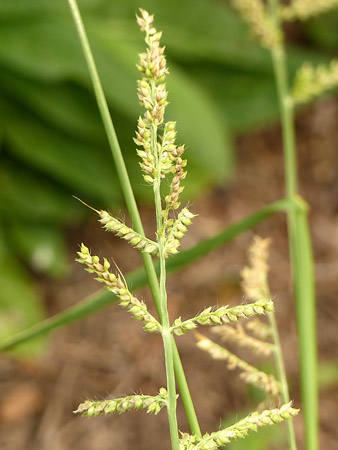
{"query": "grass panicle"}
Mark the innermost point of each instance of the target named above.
(162, 158)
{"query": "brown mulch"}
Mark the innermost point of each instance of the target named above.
(108, 354)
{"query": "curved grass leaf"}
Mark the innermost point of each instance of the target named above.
(25, 197)
(20, 304)
(66, 106)
(83, 168)
(138, 278)
(42, 246)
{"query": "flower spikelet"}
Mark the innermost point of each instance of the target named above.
(240, 429)
(143, 139)
(254, 12)
(254, 276)
(188, 442)
(152, 95)
(310, 82)
(223, 315)
(114, 225)
(304, 9)
(179, 174)
(176, 230)
(153, 404)
(259, 329)
(249, 373)
(240, 337)
(115, 284)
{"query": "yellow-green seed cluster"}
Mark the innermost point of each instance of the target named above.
(152, 95)
(153, 404)
(311, 82)
(241, 429)
(159, 154)
(259, 329)
(240, 337)
(115, 284)
(223, 315)
(249, 373)
(175, 230)
(114, 225)
(254, 12)
(304, 9)
(179, 174)
(254, 277)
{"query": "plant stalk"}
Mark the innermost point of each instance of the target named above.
(132, 208)
(166, 333)
(300, 251)
(281, 373)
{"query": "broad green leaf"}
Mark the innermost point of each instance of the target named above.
(46, 50)
(322, 30)
(198, 122)
(83, 168)
(42, 247)
(18, 10)
(211, 31)
(115, 59)
(25, 196)
(67, 106)
(230, 91)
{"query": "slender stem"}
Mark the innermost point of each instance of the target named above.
(281, 373)
(300, 252)
(132, 208)
(168, 352)
(166, 333)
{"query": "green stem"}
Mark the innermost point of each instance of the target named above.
(132, 208)
(300, 251)
(281, 373)
(168, 352)
(167, 337)
(166, 333)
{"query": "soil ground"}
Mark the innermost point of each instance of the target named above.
(108, 354)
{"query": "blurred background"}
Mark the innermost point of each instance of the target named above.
(53, 146)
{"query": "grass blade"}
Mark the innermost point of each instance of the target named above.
(305, 305)
(138, 278)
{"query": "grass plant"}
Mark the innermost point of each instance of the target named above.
(162, 158)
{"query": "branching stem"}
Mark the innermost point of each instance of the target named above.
(281, 373)
(300, 250)
(166, 332)
(132, 208)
